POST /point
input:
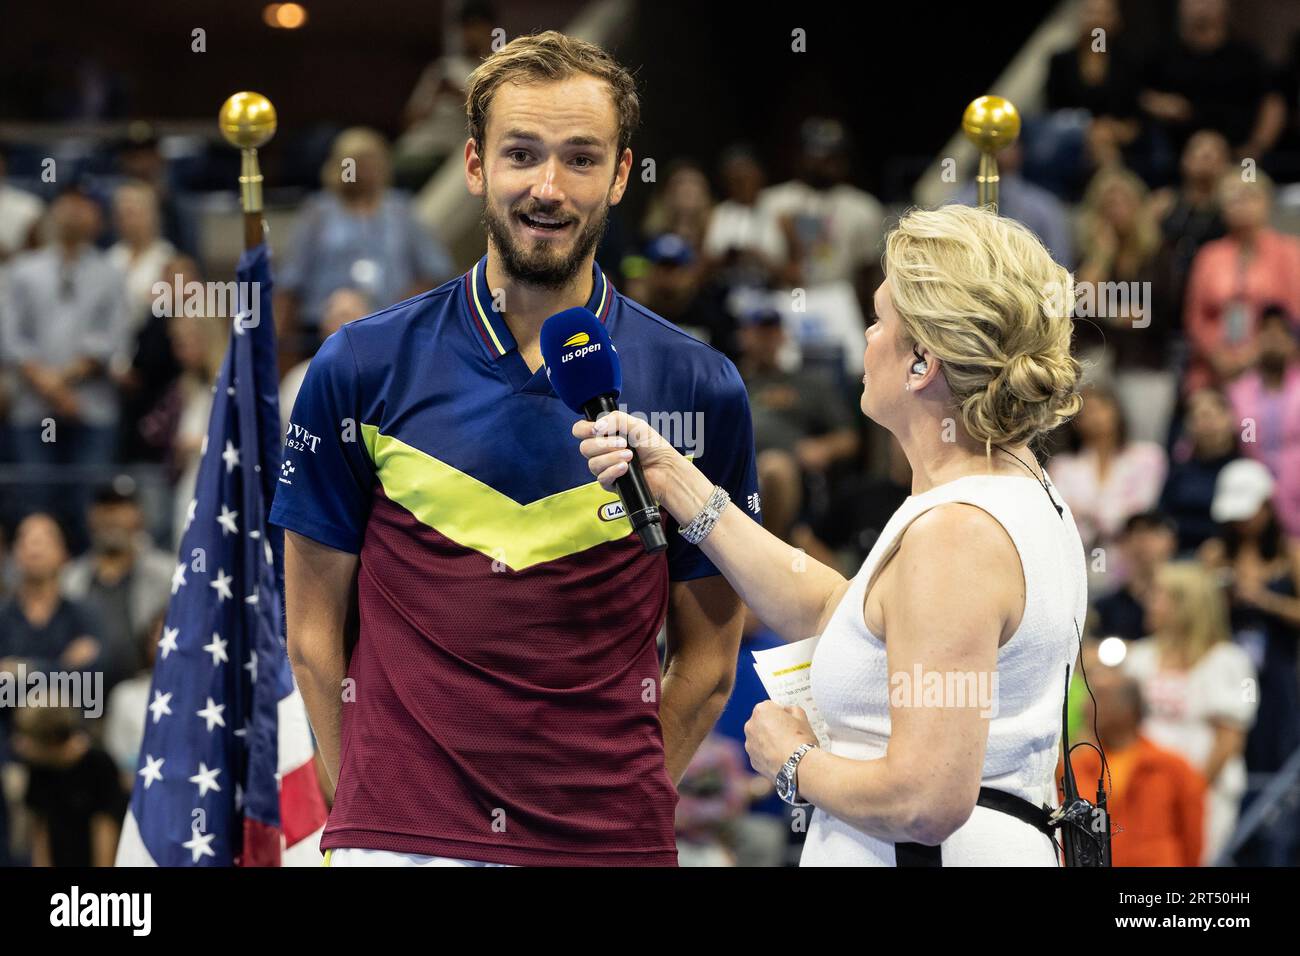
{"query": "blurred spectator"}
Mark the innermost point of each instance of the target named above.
(1204, 79)
(434, 117)
(20, 217)
(199, 345)
(1148, 542)
(73, 792)
(1199, 688)
(682, 206)
(743, 241)
(1029, 204)
(794, 411)
(356, 232)
(1118, 242)
(1198, 457)
(834, 232)
(1118, 238)
(343, 306)
(1156, 798)
(123, 581)
(140, 158)
(713, 794)
(148, 426)
(1285, 161)
(128, 707)
(1263, 572)
(1097, 75)
(62, 328)
(1233, 279)
(1106, 479)
(140, 253)
(675, 287)
(39, 626)
(762, 835)
(833, 229)
(1266, 400)
(40, 630)
(1189, 217)
(864, 500)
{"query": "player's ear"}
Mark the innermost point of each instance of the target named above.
(474, 181)
(621, 173)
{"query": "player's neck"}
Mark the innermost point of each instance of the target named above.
(527, 306)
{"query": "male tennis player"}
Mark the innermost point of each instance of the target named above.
(471, 619)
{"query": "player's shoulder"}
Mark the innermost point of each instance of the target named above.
(383, 333)
(682, 354)
(647, 326)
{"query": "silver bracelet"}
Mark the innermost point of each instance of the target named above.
(699, 527)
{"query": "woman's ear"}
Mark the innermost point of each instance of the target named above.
(923, 369)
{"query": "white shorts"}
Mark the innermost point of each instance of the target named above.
(347, 856)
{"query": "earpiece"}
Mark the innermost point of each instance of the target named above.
(920, 365)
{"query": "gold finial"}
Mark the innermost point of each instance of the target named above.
(247, 120)
(991, 123)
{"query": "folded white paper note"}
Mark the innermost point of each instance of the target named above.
(786, 673)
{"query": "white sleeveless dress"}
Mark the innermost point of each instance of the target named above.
(850, 679)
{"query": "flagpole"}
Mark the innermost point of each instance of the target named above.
(247, 121)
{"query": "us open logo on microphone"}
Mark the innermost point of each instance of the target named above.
(579, 342)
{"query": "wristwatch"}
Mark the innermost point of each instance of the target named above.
(787, 782)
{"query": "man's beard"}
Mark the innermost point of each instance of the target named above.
(541, 266)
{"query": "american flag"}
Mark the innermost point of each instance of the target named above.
(227, 774)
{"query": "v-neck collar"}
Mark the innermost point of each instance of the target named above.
(493, 334)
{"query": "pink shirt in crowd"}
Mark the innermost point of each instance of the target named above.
(1224, 300)
(1275, 417)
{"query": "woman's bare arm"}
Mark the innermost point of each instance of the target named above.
(955, 587)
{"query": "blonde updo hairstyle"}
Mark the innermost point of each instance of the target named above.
(981, 293)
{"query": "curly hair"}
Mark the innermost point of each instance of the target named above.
(983, 294)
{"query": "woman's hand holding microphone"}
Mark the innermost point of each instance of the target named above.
(773, 732)
(607, 443)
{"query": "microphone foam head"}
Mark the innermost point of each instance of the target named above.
(580, 358)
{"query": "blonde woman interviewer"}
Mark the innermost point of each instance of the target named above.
(978, 575)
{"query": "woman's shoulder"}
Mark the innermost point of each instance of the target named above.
(960, 528)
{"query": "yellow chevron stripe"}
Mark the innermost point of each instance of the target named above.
(473, 284)
(477, 516)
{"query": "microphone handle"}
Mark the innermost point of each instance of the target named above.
(640, 505)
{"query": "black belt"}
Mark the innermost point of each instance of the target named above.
(919, 854)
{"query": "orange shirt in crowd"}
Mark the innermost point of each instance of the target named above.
(1156, 801)
(1224, 299)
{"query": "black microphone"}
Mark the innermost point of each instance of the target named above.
(584, 370)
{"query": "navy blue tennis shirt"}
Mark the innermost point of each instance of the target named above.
(506, 666)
